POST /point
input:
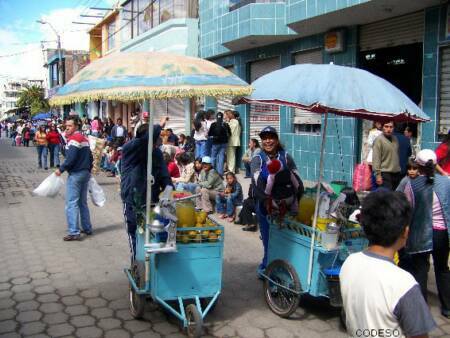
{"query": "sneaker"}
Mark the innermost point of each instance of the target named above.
(71, 238)
(46, 168)
(230, 219)
(87, 233)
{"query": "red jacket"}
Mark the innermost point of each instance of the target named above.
(53, 137)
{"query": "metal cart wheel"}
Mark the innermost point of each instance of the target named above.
(282, 289)
(137, 302)
(194, 321)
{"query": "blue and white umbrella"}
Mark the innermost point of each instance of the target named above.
(341, 90)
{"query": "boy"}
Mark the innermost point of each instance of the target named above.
(379, 297)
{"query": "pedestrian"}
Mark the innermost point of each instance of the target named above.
(209, 118)
(145, 117)
(119, 133)
(386, 162)
(230, 198)
(172, 167)
(96, 127)
(377, 295)
(429, 195)
(133, 183)
(26, 135)
(186, 180)
(41, 145)
(219, 132)
(200, 134)
(234, 141)
(108, 126)
(443, 156)
(282, 189)
(404, 151)
(54, 142)
(210, 183)
(373, 134)
(78, 163)
(253, 149)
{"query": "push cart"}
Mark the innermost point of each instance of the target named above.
(286, 276)
(182, 273)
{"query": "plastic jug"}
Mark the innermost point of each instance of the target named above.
(306, 208)
(185, 211)
(331, 236)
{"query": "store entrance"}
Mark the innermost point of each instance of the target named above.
(401, 66)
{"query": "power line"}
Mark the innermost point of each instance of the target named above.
(19, 53)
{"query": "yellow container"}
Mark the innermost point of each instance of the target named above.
(322, 223)
(306, 208)
(185, 211)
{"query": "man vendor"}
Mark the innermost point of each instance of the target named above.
(133, 183)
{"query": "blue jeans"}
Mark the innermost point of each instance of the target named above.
(261, 214)
(218, 157)
(200, 149)
(226, 204)
(76, 202)
(208, 147)
(54, 154)
(42, 155)
(248, 172)
(187, 186)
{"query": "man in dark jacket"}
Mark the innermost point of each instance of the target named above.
(219, 132)
(78, 164)
(133, 185)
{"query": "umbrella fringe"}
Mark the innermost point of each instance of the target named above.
(158, 94)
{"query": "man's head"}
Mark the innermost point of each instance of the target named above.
(72, 124)
(408, 132)
(145, 116)
(119, 122)
(269, 139)
(385, 216)
(388, 128)
(206, 163)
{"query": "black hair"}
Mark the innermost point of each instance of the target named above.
(75, 119)
(230, 173)
(209, 113)
(384, 217)
(199, 118)
(167, 158)
(140, 132)
(183, 158)
(256, 142)
(428, 170)
(412, 164)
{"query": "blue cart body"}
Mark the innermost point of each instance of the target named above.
(292, 243)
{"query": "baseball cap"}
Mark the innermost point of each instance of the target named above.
(145, 114)
(424, 156)
(206, 159)
(268, 130)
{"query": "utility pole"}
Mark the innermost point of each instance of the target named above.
(58, 39)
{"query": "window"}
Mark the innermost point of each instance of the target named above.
(111, 35)
(235, 4)
(54, 74)
(127, 22)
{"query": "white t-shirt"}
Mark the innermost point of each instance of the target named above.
(380, 299)
(120, 131)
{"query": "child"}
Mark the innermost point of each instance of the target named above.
(227, 201)
(377, 295)
(172, 167)
(412, 171)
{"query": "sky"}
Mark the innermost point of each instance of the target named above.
(21, 54)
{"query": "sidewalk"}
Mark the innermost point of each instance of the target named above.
(51, 288)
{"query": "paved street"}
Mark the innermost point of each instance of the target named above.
(51, 288)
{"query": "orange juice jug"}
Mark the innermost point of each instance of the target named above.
(306, 208)
(185, 214)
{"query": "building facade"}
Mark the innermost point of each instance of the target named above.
(10, 92)
(403, 41)
(148, 25)
(72, 62)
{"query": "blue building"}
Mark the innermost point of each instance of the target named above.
(405, 41)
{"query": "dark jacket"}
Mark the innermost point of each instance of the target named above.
(420, 237)
(219, 133)
(404, 151)
(133, 184)
(114, 131)
(78, 154)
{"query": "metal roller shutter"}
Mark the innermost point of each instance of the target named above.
(224, 103)
(311, 56)
(174, 108)
(393, 32)
(444, 97)
(263, 115)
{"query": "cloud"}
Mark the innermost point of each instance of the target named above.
(24, 37)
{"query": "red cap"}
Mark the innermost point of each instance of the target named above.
(145, 114)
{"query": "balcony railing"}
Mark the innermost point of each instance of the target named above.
(236, 4)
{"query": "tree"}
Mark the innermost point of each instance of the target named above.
(33, 97)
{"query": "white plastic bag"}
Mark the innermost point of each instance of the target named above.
(49, 187)
(96, 192)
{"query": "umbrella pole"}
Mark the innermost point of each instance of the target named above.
(150, 179)
(316, 210)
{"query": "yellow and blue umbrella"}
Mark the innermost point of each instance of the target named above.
(132, 76)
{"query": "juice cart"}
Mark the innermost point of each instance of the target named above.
(188, 274)
(299, 263)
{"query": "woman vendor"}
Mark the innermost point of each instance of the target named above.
(286, 189)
